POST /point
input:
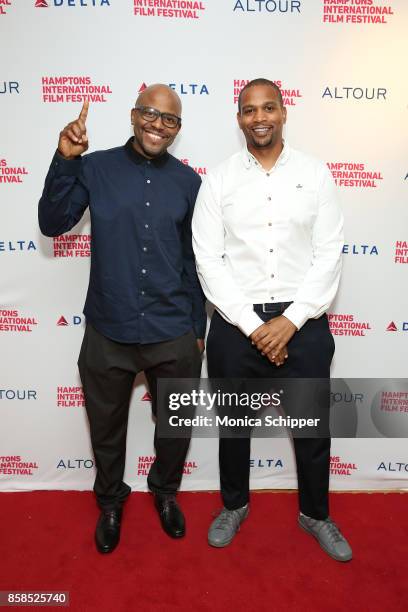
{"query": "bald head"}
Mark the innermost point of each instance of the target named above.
(162, 97)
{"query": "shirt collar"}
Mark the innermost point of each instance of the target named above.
(249, 159)
(137, 158)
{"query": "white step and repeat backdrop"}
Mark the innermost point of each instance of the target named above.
(341, 66)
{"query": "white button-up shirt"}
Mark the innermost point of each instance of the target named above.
(268, 236)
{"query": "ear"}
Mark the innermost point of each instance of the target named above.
(132, 116)
(284, 112)
(239, 119)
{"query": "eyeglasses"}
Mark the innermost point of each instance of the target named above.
(151, 114)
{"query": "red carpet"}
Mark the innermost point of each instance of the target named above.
(47, 544)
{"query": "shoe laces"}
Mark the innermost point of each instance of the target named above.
(332, 531)
(228, 518)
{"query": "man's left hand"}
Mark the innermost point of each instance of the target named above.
(273, 336)
(201, 345)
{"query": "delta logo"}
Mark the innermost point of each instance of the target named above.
(18, 394)
(265, 463)
(15, 465)
(71, 3)
(70, 397)
(356, 11)
(184, 89)
(72, 245)
(9, 87)
(75, 464)
(267, 6)
(351, 174)
(76, 89)
(392, 466)
(347, 325)
(360, 249)
(392, 327)
(201, 170)
(401, 252)
(354, 93)
(17, 246)
(11, 174)
(341, 467)
(171, 9)
(290, 96)
(74, 320)
(4, 5)
(13, 321)
(144, 464)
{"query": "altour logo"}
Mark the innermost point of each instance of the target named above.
(340, 467)
(76, 89)
(18, 394)
(401, 252)
(14, 465)
(9, 87)
(352, 174)
(4, 5)
(71, 3)
(75, 464)
(72, 245)
(11, 174)
(144, 464)
(267, 6)
(390, 466)
(354, 93)
(201, 170)
(70, 397)
(173, 9)
(356, 11)
(13, 321)
(290, 95)
(346, 325)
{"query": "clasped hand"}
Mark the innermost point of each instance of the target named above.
(271, 338)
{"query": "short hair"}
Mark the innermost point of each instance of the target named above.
(255, 82)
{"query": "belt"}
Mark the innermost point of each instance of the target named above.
(271, 307)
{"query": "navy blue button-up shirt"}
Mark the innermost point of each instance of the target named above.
(143, 284)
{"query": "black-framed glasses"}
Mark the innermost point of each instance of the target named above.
(151, 114)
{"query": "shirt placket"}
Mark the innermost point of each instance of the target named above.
(146, 239)
(271, 243)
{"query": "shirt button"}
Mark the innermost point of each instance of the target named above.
(270, 224)
(145, 249)
(272, 298)
(142, 292)
(146, 225)
(272, 276)
(268, 174)
(271, 250)
(149, 162)
(147, 203)
(269, 198)
(142, 314)
(143, 271)
(148, 181)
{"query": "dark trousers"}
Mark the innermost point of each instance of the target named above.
(108, 371)
(230, 354)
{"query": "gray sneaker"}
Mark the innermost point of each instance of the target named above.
(329, 537)
(225, 526)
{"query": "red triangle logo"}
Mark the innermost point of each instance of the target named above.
(142, 87)
(41, 4)
(62, 321)
(392, 327)
(147, 397)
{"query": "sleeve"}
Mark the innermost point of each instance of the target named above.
(321, 282)
(190, 278)
(209, 247)
(65, 196)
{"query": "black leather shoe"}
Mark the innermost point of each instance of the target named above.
(107, 532)
(171, 517)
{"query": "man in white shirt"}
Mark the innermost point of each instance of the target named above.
(267, 236)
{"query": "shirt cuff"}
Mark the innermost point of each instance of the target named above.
(249, 321)
(66, 167)
(297, 313)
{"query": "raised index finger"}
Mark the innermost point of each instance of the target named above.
(84, 111)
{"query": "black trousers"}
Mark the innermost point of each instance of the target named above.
(108, 371)
(230, 354)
